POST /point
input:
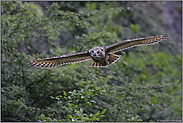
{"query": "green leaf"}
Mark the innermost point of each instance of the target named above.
(98, 113)
(102, 116)
(103, 111)
(65, 94)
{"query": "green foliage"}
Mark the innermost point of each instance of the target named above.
(79, 100)
(135, 119)
(46, 119)
(135, 27)
(93, 39)
(76, 102)
(143, 85)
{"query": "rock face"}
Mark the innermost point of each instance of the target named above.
(159, 17)
(172, 12)
(172, 19)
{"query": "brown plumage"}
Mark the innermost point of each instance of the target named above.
(112, 58)
(101, 56)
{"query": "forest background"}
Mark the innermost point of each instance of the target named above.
(145, 84)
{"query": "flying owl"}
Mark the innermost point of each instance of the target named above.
(101, 56)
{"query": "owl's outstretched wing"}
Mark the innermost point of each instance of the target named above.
(133, 42)
(61, 60)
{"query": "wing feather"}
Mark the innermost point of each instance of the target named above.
(61, 60)
(133, 42)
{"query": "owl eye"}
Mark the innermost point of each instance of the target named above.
(98, 52)
(92, 51)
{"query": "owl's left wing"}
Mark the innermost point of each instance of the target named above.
(61, 60)
(133, 42)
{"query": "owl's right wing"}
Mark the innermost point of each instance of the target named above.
(61, 60)
(133, 42)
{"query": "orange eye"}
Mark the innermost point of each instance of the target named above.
(92, 51)
(98, 52)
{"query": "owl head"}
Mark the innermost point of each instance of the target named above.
(97, 52)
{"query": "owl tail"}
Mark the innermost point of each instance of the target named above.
(112, 59)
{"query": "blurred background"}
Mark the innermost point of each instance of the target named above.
(143, 85)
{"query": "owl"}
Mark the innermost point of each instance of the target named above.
(101, 56)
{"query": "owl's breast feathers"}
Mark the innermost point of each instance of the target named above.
(111, 59)
(105, 60)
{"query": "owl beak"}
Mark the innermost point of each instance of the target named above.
(94, 54)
